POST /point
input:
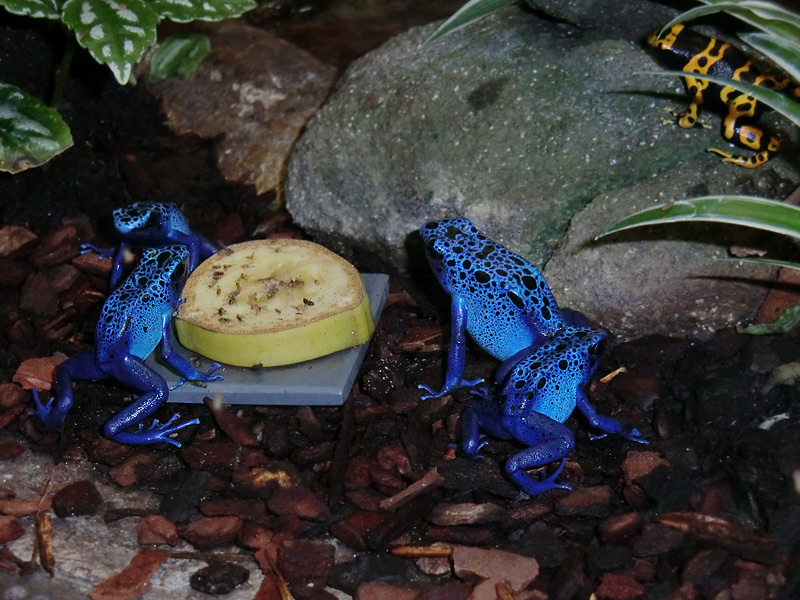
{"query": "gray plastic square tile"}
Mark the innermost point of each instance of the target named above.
(322, 381)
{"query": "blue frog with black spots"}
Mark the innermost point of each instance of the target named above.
(498, 297)
(149, 224)
(539, 394)
(135, 318)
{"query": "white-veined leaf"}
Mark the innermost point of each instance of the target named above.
(115, 34)
(184, 11)
(31, 133)
(40, 9)
(179, 56)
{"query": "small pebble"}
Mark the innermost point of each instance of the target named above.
(219, 578)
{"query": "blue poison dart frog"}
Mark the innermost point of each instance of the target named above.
(148, 224)
(497, 296)
(133, 320)
(689, 51)
(540, 393)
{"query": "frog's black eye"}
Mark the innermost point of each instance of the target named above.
(179, 272)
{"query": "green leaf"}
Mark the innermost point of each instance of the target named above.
(115, 34)
(749, 211)
(782, 103)
(786, 321)
(179, 56)
(40, 9)
(783, 52)
(763, 15)
(184, 11)
(469, 13)
(772, 262)
(31, 133)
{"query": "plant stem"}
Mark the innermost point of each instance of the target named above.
(63, 71)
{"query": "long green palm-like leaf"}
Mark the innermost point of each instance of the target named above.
(763, 15)
(748, 211)
(469, 13)
(783, 52)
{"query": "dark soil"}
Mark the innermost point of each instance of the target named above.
(709, 509)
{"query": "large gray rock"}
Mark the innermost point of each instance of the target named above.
(521, 124)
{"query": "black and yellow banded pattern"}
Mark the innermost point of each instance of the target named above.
(684, 49)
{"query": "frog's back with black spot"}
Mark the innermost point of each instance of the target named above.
(509, 305)
(547, 381)
(132, 317)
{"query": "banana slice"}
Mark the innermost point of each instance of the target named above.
(273, 302)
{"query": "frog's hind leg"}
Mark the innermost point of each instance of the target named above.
(131, 371)
(737, 131)
(548, 441)
(81, 366)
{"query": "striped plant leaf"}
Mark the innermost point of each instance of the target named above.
(40, 9)
(115, 34)
(179, 56)
(184, 11)
(31, 133)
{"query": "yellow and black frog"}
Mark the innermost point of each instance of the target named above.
(692, 52)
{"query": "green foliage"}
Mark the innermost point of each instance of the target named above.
(179, 56)
(116, 34)
(469, 13)
(749, 211)
(786, 321)
(31, 133)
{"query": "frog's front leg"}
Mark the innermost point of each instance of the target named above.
(548, 441)
(694, 87)
(199, 247)
(82, 366)
(457, 355)
(606, 424)
(132, 372)
(180, 364)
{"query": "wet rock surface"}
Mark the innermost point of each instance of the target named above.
(537, 131)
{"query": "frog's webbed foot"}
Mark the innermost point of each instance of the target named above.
(157, 432)
(50, 418)
(532, 486)
(200, 377)
(102, 252)
(751, 162)
(449, 387)
(471, 448)
(633, 435)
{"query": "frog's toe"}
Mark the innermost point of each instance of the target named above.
(44, 411)
(636, 436)
(210, 376)
(431, 393)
